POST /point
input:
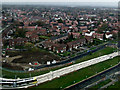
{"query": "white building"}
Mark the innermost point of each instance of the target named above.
(108, 35)
(90, 33)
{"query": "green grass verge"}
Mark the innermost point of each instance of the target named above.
(79, 75)
(101, 52)
(44, 37)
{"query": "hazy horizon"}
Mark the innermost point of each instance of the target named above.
(96, 4)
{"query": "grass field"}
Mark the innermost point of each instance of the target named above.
(44, 37)
(35, 73)
(79, 75)
(101, 52)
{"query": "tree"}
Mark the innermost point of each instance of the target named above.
(115, 36)
(20, 33)
(118, 35)
(17, 23)
(29, 46)
(104, 27)
(12, 20)
(71, 36)
(40, 23)
(104, 36)
(60, 21)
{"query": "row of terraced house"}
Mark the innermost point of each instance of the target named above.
(52, 44)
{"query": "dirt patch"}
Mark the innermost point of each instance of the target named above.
(12, 67)
(10, 59)
(39, 56)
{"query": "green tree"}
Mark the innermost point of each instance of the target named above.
(40, 23)
(20, 33)
(118, 35)
(104, 36)
(104, 27)
(60, 21)
(115, 36)
(71, 36)
(29, 46)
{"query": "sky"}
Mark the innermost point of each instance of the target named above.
(103, 3)
(60, 0)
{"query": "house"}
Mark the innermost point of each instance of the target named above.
(17, 41)
(89, 39)
(83, 27)
(28, 34)
(34, 38)
(115, 32)
(98, 36)
(95, 29)
(85, 31)
(59, 48)
(55, 33)
(41, 32)
(108, 35)
(47, 45)
(90, 33)
(30, 28)
(75, 35)
(75, 44)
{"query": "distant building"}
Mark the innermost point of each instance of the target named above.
(17, 41)
(75, 44)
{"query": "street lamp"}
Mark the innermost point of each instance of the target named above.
(14, 83)
(60, 87)
(74, 81)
